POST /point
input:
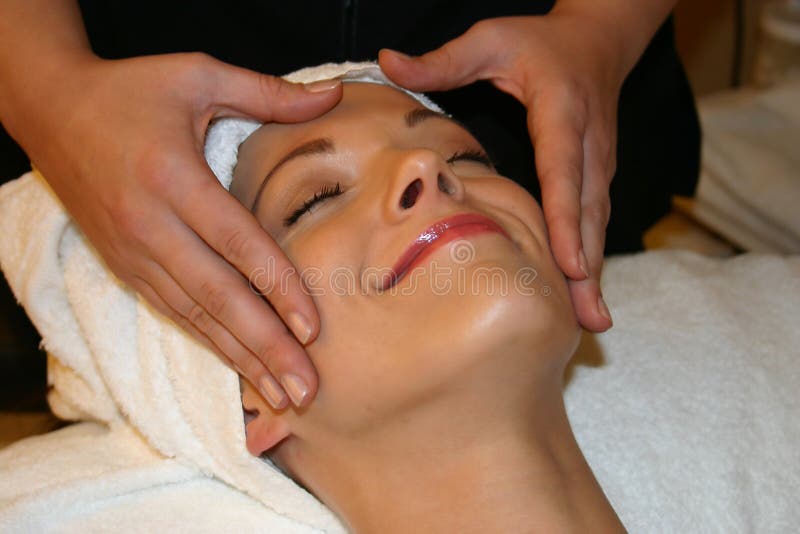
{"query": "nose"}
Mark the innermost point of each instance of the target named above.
(422, 178)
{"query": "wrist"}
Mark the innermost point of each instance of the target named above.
(42, 90)
(620, 29)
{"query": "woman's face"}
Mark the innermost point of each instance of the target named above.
(389, 170)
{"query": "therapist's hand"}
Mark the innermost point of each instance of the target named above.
(568, 73)
(121, 143)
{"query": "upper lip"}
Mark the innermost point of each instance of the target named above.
(436, 233)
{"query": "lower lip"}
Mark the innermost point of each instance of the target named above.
(426, 247)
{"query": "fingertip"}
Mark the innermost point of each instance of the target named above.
(301, 327)
(602, 309)
(573, 264)
(293, 369)
(301, 102)
(272, 392)
(394, 64)
(583, 264)
(322, 86)
(590, 307)
(387, 54)
(319, 97)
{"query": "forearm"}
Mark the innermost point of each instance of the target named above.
(627, 25)
(40, 41)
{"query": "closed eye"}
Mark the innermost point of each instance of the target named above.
(478, 156)
(326, 192)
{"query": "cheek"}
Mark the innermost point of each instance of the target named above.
(508, 196)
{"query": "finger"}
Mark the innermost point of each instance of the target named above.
(242, 92)
(591, 308)
(153, 299)
(222, 297)
(557, 128)
(238, 237)
(459, 62)
(212, 336)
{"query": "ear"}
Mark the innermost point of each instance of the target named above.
(265, 427)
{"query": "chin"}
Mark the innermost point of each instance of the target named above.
(496, 303)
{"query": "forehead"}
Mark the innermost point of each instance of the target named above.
(363, 104)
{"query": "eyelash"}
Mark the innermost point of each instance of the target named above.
(329, 191)
(478, 156)
(326, 192)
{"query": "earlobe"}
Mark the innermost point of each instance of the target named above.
(265, 431)
(264, 427)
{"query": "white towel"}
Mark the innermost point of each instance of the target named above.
(688, 410)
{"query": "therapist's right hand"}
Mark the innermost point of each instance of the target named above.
(121, 144)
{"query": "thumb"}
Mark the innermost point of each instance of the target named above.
(456, 63)
(243, 92)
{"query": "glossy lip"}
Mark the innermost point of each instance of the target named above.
(436, 235)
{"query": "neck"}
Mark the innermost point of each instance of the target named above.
(514, 474)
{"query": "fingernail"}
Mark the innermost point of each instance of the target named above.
(272, 391)
(322, 86)
(583, 264)
(603, 309)
(295, 387)
(300, 327)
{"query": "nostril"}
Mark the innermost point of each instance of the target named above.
(411, 193)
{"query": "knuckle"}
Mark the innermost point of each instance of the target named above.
(193, 74)
(215, 300)
(240, 363)
(269, 352)
(265, 285)
(560, 220)
(574, 91)
(485, 29)
(186, 325)
(131, 222)
(249, 367)
(567, 174)
(237, 247)
(199, 318)
(599, 212)
(195, 65)
(156, 168)
(270, 87)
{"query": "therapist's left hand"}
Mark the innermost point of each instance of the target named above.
(568, 73)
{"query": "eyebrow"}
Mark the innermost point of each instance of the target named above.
(418, 115)
(323, 145)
